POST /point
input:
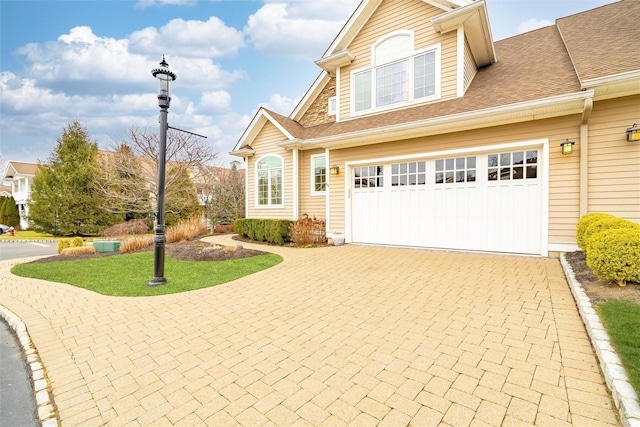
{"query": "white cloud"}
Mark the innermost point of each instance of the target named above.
(300, 29)
(211, 38)
(532, 24)
(281, 104)
(214, 102)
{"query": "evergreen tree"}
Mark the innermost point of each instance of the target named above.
(9, 213)
(63, 200)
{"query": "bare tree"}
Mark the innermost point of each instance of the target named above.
(128, 175)
(223, 193)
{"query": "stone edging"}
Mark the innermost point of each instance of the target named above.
(45, 406)
(615, 375)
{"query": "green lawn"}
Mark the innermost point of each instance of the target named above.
(622, 321)
(127, 275)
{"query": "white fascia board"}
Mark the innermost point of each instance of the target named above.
(353, 26)
(572, 103)
(255, 126)
(630, 76)
(333, 62)
(440, 5)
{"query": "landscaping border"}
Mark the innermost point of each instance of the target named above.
(47, 410)
(624, 396)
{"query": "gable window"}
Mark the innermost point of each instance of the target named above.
(398, 74)
(269, 181)
(318, 175)
(333, 105)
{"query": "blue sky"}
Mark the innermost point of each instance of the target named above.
(92, 61)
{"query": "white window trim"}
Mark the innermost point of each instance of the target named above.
(256, 186)
(332, 111)
(312, 175)
(436, 48)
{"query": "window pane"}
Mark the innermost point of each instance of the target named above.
(394, 169)
(518, 158)
(460, 176)
(424, 76)
(493, 160)
(422, 179)
(518, 172)
(439, 165)
(471, 162)
(362, 88)
(532, 156)
(403, 180)
(471, 175)
(439, 178)
(449, 164)
(505, 173)
(532, 171)
(505, 159)
(449, 177)
(320, 174)
(394, 181)
(493, 174)
(392, 83)
(460, 163)
(412, 167)
(422, 166)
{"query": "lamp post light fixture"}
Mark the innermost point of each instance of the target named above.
(164, 99)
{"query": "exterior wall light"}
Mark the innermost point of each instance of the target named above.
(633, 133)
(567, 146)
(334, 170)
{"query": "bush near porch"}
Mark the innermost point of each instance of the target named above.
(275, 231)
(611, 246)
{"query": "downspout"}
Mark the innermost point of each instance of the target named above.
(584, 156)
(296, 178)
(327, 197)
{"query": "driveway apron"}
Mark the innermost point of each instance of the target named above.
(349, 335)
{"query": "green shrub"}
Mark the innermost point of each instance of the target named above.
(614, 254)
(605, 223)
(585, 222)
(77, 242)
(274, 231)
(63, 244)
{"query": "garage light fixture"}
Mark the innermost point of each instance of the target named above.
(334, 170)
(633, 133)
(567, 146)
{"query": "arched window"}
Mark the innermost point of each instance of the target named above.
(269, 181)
(397, 74)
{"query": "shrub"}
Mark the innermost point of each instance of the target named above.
(135, 226)
(136, 243)
(605, 223)
(614, 254)
(274, 231)
(63, 244)
(77, 242)
(308, 231)
(585, 222)
(186, 230)
(74, 250)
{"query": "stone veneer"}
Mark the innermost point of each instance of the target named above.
(318, 112)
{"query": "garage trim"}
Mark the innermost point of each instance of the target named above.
(542, 143)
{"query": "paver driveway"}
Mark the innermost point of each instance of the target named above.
(351, 335)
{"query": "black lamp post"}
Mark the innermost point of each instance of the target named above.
(165, 76)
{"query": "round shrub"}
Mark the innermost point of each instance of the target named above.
(585, 222)
(606, 224)
(63, 244)
(614, 254)
(77, 242)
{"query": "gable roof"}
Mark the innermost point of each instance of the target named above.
(20, 168)
(291, 129)
(513, 89)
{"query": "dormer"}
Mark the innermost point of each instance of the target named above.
(395, 54)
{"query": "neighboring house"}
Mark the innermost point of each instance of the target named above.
(422, 131)
(5, 190)
(20, 175)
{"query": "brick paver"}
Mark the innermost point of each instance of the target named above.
(350, 335)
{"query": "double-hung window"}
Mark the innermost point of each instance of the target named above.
(269, 181)
(318, 175)
(398, 74)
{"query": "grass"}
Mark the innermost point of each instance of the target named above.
(127, 275)
(27, 235)
(622, 321)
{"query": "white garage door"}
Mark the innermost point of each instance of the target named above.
(487, 202)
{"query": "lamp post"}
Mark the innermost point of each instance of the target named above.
(164, 99)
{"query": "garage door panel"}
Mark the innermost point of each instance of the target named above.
(472, 203)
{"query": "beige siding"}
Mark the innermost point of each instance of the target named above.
(264, 144)
(614, 163)
(310, 205)
(564, 170)
(470, 69)
(394, 15)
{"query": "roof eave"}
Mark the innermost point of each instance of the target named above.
(339, 59)
(243, 152)
(514, 113)
(614, 86)
(475, 21)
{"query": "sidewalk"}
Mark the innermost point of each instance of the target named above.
(350, 335)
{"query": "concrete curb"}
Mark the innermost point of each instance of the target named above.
(624, 395)
(27, 241)
(47, 409)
